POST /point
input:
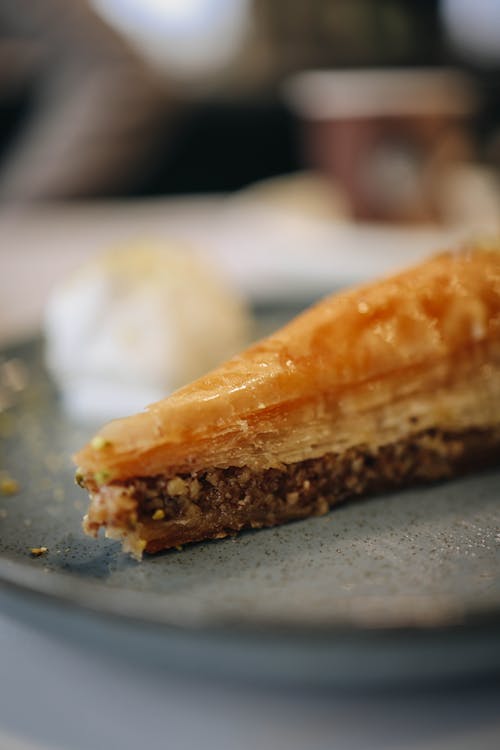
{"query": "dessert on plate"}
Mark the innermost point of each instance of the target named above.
(385, 385)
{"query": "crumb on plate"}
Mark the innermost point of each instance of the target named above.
(38, 551)
(98, 443)
(8, 485)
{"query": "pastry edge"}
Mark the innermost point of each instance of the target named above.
(380, 335)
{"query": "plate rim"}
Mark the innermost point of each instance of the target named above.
(446, 613)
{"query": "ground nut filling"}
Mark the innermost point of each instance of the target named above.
(152, 513)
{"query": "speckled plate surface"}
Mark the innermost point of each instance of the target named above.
(403, 586)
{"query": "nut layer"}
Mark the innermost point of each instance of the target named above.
(155, 513)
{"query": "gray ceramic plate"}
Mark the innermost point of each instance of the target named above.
(400, 587)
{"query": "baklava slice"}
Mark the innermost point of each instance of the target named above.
(388, 384)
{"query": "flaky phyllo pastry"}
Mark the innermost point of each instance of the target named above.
(389, 384)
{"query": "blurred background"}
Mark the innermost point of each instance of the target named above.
(295, 145)
(300, 144)
(159, 97)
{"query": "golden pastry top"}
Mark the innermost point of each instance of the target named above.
(428, 314)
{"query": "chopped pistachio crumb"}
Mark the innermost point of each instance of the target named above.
(178, 547)
(98, 443)
(177, 486)
(194, 488)
(38, 551)
(8, 486)
(79, 477)
(158, 515)
(102, 476)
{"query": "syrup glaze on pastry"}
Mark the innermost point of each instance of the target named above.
(390, 383)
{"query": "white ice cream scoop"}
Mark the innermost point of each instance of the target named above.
(136, 323)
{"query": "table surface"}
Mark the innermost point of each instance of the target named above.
(270, 256)
(59, 695)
